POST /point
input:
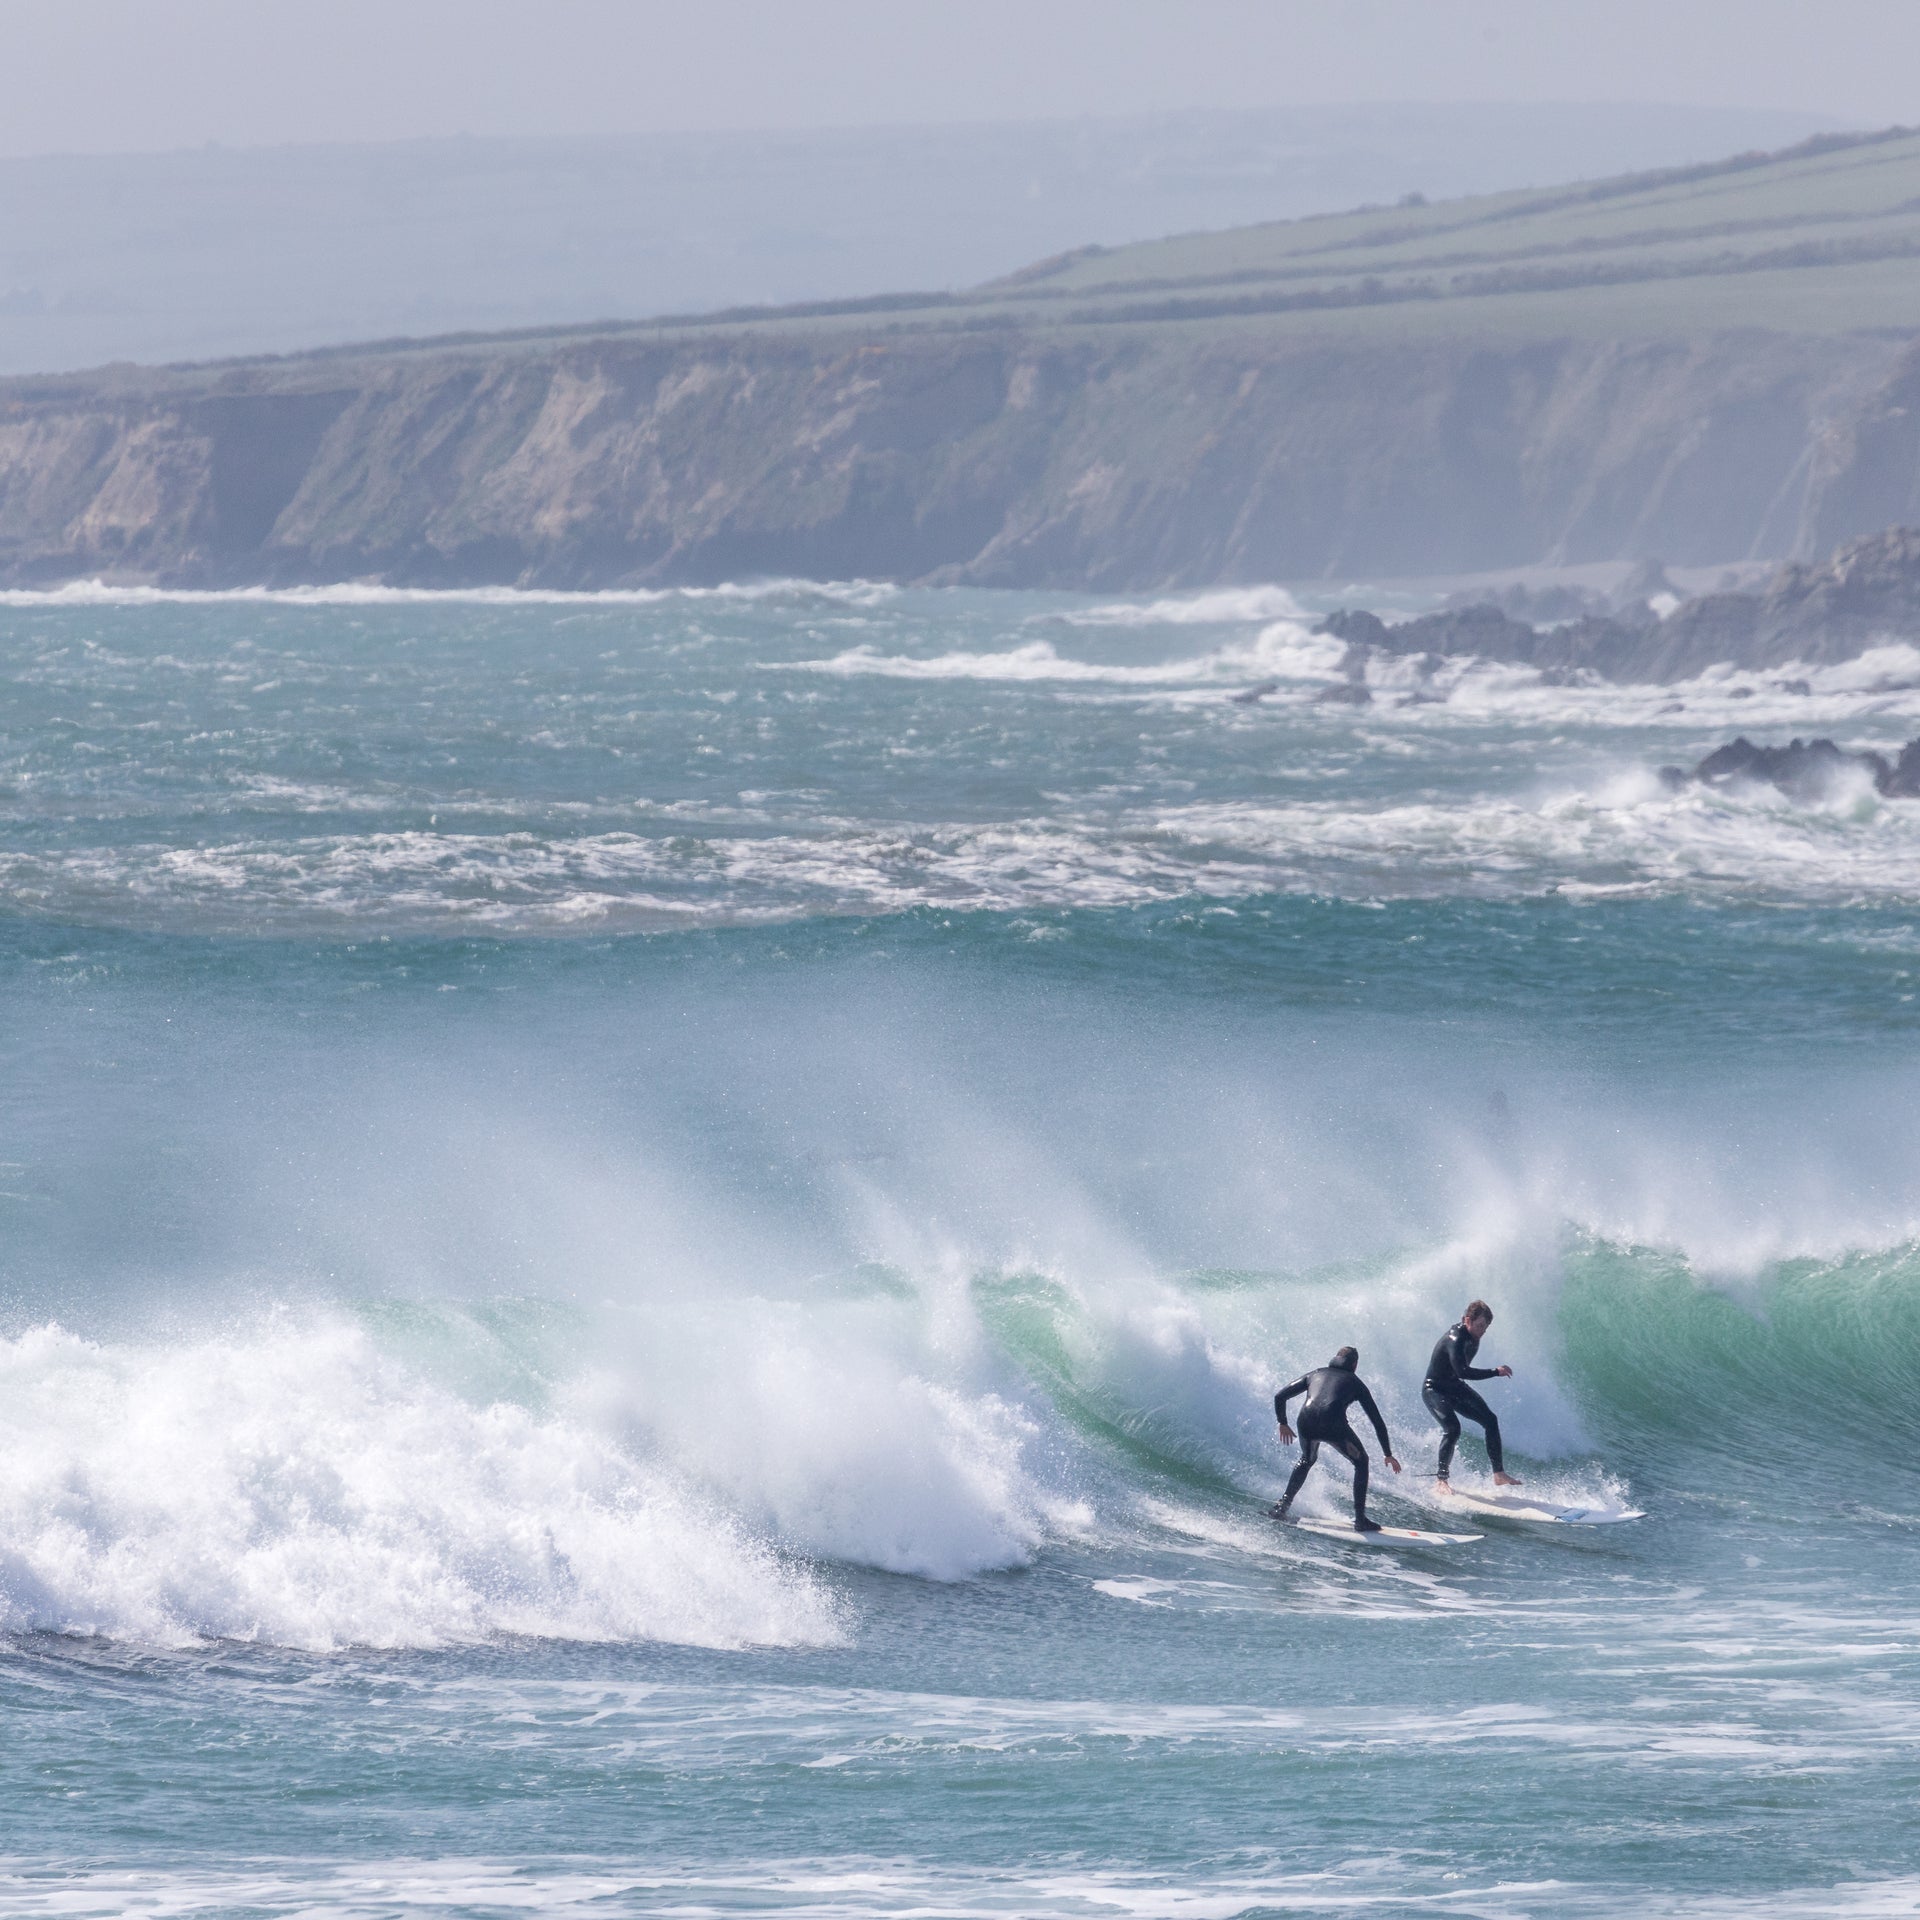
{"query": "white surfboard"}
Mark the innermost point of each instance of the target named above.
(1386, 1537)
(1507, 1503)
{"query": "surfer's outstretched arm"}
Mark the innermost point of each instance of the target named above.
(1372, 1412)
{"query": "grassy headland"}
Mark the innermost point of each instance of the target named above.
(1708, 363)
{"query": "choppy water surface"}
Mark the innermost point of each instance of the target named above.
(647, 1241)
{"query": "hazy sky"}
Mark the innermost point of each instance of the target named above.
(128, 75)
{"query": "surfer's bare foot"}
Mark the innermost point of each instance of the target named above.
(1443, 1488)
(1505, 1480)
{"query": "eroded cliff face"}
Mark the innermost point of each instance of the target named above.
(1104, 459)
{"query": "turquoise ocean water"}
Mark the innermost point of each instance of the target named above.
(646, 1241)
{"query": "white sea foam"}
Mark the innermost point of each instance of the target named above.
(1882, 684)
(1284, 650)
(297, 1482)
(370, 593)
(1619, 834)
(290, 1485)
(827, 1889)
(534, 882)
(1630, 833)
(1221, 606)
(1423, 693)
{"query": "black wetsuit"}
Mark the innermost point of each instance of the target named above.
(1330, 1392)
(1448, 1396)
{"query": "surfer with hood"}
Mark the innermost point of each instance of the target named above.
(1448, 1396)
(1330, 1391)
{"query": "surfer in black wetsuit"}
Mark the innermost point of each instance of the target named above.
(1448, 1396)
(1330, 1391)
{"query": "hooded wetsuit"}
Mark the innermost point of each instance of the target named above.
(1448, 1396)
(1330, 1392)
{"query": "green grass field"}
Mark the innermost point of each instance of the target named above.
(1820, 239)
(1823, 238)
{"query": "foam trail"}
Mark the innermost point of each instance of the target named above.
(1620, 832)
(368, 593)
(1222, 606)
(1285, 649)
(813, 1888)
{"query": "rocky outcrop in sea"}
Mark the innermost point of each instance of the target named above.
(1868, 592)
(1802, 769)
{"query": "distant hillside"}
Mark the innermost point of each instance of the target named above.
(218, 251)
(1822, 238)
(1708, 364)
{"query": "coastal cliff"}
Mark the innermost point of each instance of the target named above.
(1556, 377)
(1009, 459)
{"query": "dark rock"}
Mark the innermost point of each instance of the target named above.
(1701, 634)
(1868, 591)
(1599, 644)
(1484, 631)
(1645, 583)
(1803, 769)
(1592, 644)
(1903, 777)
(1357, 627)
(1636, 616)
(1539, 606)
(1479, 629)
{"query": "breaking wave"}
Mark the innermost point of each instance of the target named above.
(420, 1475)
